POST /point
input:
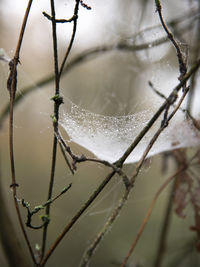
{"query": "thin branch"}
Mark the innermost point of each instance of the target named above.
(76, 9)
(76, 217)
(181, 59)
(55, 125)
(85, 5)
(12, 87)
(58, 20)
(66, 158)
(163, 96)
(44, 218)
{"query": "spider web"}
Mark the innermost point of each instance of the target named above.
(108, 137)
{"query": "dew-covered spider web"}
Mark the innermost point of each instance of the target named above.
(108, 137)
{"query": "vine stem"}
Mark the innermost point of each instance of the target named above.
(12, 87)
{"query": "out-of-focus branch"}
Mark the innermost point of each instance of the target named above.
(83, 57)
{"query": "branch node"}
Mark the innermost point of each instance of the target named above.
(58, 99)
(14, 185)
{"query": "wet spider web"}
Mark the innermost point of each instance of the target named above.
(108, 137)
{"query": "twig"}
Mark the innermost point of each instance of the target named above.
(76, 8)
(66, 158)
(44, 218)
(58, 20)
(181, 60)
(163, 96)
(156, 91)
(85, 5)
(12, 87)
(76, 217)
(55, 125)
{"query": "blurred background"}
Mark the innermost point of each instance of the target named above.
(109, 83)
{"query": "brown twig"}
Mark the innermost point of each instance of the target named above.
(180, 56)
(58, 20)
(75, 20)
(55, 124)
(12, 87)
